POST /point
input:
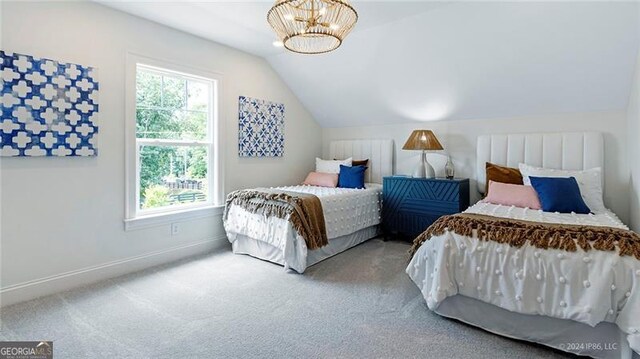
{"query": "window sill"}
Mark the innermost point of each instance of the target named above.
(154, 220)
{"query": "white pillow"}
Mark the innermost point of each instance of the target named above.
(589, 182)
(329, 166)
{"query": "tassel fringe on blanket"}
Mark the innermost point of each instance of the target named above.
(517, 233)
(303, 210)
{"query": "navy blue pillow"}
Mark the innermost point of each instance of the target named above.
(351, 177)
(559, 194)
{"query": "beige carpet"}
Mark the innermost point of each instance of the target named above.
(358, 304)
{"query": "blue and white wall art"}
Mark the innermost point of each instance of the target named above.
(261, 131)
(49, 108)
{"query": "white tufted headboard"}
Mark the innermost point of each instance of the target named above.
(379, 153)
(569, 151)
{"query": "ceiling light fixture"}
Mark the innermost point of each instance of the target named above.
(312, 26)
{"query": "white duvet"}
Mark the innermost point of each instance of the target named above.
(588, 287)
(345, 211)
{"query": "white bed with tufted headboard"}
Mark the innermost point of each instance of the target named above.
(378, 152)
(352, 216)
(566, 151)
(584, 302)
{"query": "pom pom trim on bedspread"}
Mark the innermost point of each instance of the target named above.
(517, 233)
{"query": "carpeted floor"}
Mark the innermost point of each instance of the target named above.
(358, 304)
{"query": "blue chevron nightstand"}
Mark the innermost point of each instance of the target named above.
(410, 205)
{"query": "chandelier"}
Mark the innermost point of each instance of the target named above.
(312, 26)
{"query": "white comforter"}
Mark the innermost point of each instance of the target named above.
(345, 211)
(588, 287)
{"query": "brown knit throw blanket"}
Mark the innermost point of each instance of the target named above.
(517, 233)
(303, 210)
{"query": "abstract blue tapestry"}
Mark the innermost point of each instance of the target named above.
(49, 108)
(261, 132)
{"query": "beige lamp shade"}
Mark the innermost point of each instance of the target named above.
(423, 140)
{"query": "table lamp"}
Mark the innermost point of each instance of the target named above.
(423, 140)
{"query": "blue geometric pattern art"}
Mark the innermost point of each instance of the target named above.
(261, 132)
(49, 108)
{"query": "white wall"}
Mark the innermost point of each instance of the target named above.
(459, 139)
(65, 215)
(633, 140)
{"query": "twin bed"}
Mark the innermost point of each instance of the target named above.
(584, 302)
(571, 297)
(351, 215)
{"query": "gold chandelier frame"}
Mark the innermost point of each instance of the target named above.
(322, 19)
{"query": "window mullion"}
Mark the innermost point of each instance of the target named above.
(158, 108)
(166, 142)
(162, 91)
(186, 95)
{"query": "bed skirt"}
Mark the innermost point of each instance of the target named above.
(265, 251)
(604, 340)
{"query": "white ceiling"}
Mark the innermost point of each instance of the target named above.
(243, 24)
(425, 61)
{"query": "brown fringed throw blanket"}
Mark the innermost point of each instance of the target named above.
(303, 210)
(517, 233)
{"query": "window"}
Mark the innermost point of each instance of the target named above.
(175, 149)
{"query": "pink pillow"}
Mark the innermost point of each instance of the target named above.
(322, 179)
(512, 195)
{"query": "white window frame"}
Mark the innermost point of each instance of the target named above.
(136, 217)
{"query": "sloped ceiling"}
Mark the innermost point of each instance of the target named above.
(243, 24)
(426, 61)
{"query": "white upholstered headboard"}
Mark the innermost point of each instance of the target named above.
(379, 153)
(569, 150)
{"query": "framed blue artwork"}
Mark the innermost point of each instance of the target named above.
(49, 108)
(261, 128)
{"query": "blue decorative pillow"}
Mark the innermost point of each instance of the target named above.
(351, 177)
(559, 194)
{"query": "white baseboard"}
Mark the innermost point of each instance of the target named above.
(64, 281)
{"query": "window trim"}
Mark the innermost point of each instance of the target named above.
(136, 218)
(208, 143)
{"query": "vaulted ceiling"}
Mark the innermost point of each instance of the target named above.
(428, 61)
